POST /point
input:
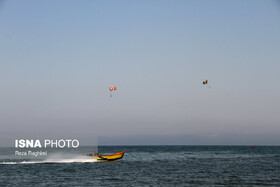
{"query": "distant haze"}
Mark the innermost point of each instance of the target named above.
(58, 59)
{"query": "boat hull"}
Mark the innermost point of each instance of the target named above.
(112, 157)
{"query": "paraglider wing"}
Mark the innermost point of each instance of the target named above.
(205, 82)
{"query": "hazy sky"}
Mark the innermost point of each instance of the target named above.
(58, 59)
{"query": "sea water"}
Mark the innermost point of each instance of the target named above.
(146, 166)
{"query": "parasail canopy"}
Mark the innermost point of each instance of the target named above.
(111, 88)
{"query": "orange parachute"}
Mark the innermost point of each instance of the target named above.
(112, 88)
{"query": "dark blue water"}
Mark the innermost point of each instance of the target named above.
(149, 166)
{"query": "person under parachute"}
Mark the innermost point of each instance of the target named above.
(112, 88)
(205, 82)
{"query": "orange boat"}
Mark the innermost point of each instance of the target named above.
(115, 156)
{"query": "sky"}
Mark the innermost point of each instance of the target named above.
(58, 59)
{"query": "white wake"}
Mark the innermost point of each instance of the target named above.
(56, 158)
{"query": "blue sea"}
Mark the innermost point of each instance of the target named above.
(146, 166)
